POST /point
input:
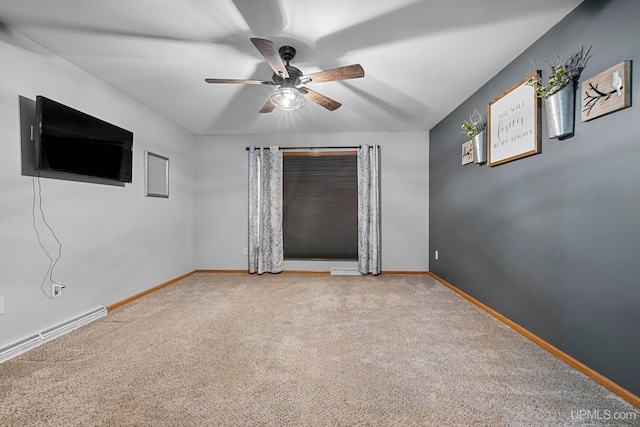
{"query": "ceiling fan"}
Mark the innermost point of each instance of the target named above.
(291, 93)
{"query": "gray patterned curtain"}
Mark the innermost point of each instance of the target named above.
(368, 210)
(265, 210)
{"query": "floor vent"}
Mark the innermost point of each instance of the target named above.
(40, 338)
(345, 272)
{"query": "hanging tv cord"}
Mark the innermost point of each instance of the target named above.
(37, 203)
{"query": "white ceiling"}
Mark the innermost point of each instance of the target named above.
(422, 58)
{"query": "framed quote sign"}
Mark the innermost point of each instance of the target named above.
(513, 122)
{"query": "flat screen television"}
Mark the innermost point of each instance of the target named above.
(68, 140)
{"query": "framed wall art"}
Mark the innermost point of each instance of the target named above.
(606, 92)
(156, 175)
(513, 121)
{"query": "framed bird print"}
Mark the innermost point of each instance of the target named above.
(467, 152)
(514, 124)
(606, 92)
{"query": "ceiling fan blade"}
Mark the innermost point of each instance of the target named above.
(239, 81)
(271, 55)
(267, 107)
(320, 99)
(342, 73)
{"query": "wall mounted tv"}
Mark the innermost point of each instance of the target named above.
(68, 140)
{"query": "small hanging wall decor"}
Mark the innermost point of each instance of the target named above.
(467, 152)
(475, 129)
(607, 92)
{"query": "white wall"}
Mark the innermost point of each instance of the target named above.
(115, 241)
(221, 197)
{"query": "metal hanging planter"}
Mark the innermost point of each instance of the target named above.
(560, 113)
(480, 148)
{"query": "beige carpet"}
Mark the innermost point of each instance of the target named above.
(300, 350)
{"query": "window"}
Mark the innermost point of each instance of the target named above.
(320, 205)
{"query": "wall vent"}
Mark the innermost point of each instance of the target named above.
(345, 272)
(26, 344)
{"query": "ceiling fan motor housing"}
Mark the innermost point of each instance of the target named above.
(292, 81)
(287, 53)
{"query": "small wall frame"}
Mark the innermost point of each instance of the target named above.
(606, 92)
(467, 152)
(156, 169)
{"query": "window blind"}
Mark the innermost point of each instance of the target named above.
(320, 205)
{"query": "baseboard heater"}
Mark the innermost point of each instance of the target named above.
(345, 272)
(26, 344)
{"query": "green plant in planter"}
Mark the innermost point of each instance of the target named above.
(561, 74)
(476, 124)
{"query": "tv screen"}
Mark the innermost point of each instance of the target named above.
(68, 140)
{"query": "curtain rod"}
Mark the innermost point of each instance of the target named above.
(348, 147)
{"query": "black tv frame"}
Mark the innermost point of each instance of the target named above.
(71, 142)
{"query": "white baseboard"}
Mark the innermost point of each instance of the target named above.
(26, 344)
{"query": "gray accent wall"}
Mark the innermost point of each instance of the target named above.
(552, 241)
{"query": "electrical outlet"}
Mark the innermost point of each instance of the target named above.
(56, 290)
(435, 255)
(244, 251)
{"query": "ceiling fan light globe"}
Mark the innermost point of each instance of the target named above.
(287, 98)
